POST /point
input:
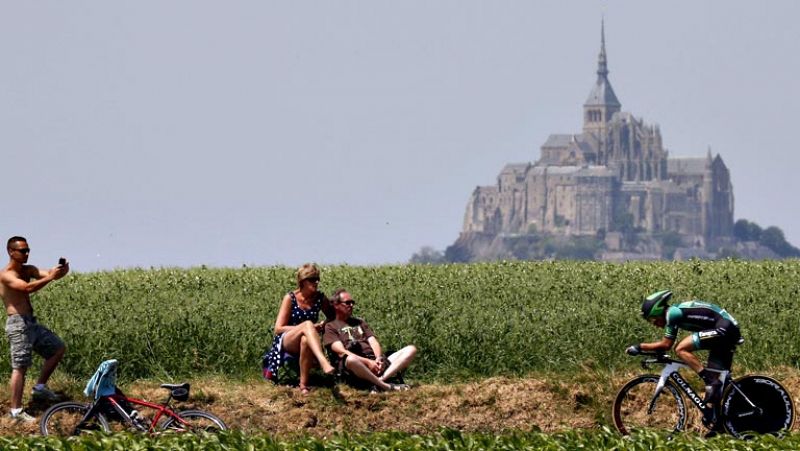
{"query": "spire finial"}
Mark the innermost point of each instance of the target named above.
(603, 34)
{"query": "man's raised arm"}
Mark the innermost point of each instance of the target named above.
(42, 278)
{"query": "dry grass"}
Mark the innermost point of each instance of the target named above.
(547, 403)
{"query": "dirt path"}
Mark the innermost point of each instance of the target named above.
(495, 404)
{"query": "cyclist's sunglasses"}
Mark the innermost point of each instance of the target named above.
(350, 303)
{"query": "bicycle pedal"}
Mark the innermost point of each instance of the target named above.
(710, 423)
(709, 419)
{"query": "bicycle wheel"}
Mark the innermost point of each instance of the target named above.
(635, 409)
(771, 412)
(65, 419)
(195, 421)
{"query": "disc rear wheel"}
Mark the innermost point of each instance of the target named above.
(757, 405)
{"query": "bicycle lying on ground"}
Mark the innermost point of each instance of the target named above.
(749, 405)
(73, 418)
(112, 408)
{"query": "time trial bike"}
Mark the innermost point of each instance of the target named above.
(749, 405)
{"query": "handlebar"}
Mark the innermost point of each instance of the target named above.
(660, 358)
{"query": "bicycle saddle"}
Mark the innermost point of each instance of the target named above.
(179, 392)
(174, 386)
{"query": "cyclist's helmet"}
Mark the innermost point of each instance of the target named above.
(656, 304)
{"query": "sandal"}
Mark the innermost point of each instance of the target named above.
(304, 390)
(399, 387)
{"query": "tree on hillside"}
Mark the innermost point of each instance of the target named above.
(772, 237)
(428, 254)
(744, 230)
(457, 253)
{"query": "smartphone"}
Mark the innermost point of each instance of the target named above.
(62, 261)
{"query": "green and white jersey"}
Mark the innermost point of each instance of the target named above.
(696, 316)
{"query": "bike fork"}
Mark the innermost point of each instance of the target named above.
(85, 420)
(90, 413)
(662, 381)
(652, 407)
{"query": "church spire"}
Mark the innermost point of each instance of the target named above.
(602, 103)
(602, 62)
(603, 94)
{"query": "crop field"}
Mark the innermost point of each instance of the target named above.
(469, 321)
(445, 440)
(559, 326)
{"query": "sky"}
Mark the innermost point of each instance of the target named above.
(193, 132)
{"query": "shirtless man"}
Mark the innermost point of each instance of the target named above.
(17, 281)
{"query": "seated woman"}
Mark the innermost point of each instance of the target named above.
(297, 328)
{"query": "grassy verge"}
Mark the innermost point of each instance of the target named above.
(548, 403)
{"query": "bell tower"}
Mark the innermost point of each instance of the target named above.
(602, 102)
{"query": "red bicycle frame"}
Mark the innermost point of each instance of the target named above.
(117, 400)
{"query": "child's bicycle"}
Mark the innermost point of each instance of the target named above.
(749, 405)
(111, 410)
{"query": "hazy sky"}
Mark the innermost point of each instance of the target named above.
(188, 132)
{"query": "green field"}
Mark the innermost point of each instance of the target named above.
(469, 321)
(446, 440)
(566, 322)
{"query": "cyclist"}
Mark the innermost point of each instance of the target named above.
(712, 328)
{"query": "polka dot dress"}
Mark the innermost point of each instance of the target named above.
(276, 357)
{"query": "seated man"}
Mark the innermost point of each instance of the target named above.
(357, 351)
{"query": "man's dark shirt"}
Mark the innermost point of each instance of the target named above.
(353, 334)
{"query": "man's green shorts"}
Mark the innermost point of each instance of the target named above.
(25, 336)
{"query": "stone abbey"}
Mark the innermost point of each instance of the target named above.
(615, 173)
